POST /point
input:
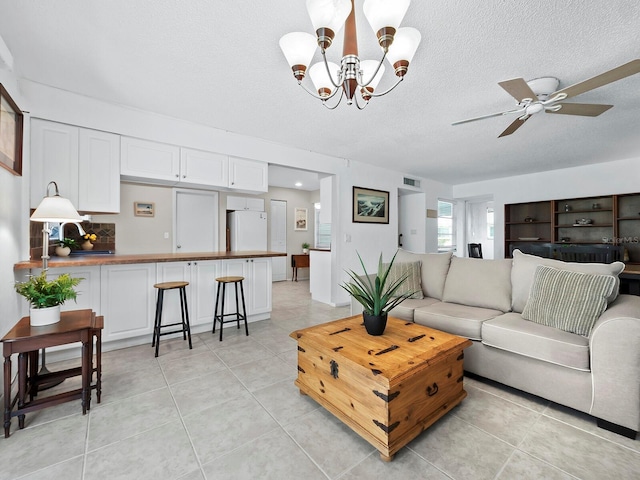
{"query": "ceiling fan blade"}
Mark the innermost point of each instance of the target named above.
(616, 74)
(518, 110)
(518, 89)
(517, 123)
(585, 109)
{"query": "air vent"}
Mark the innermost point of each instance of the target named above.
(411, 181)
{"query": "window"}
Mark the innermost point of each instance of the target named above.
(323, 230)
(446, 227)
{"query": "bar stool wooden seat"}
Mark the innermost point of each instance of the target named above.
(184, 323)
(218, 315)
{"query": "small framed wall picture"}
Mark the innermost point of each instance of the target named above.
(11, 122)
(144, 209)
(370, 206)
(300, 219)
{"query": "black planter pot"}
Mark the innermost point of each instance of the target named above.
(374, 324)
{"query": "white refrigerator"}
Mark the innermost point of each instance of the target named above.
(248, 230)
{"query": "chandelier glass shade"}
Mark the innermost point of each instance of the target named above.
(328, 17)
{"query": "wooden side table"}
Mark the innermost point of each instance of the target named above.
(298, 261)
(27, 341)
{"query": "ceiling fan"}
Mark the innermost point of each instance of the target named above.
(540, 95)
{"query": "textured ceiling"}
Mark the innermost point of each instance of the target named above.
(218, 63)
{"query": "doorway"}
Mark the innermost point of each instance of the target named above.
(479, 225)
(278, 243)
(411, 221)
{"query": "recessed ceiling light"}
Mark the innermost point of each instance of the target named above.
(298, 184)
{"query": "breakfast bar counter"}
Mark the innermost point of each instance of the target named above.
(117, 259)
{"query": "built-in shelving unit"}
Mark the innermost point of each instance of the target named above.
(606, 219)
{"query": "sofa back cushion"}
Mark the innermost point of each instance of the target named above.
(524, 269)
(570, 301)
(433, 270)
(479, 283)
(412, 283)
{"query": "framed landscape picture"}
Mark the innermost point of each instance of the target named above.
(144, 209)
(11, 121)
(370, 206)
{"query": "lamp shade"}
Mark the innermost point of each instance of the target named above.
(298, 48)
(368, 68)
(404, 45)
(55, 209)
(328, 13)
(321, 79)
(385, 13)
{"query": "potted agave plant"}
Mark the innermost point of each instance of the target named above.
(376, 294)
(45, 296)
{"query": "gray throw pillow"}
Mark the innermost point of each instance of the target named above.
(412, 283)
(570, 301)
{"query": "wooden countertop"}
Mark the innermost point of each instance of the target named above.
(116, 259)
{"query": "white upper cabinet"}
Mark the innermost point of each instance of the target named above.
(248, 175)
(207, 169)
(245, 203)
(54, 157)
(84, 163)
(151, 162)
(99, 171)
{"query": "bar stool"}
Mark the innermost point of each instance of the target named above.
(219, 317)
(186, 330)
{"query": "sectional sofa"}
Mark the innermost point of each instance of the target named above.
(554, 329)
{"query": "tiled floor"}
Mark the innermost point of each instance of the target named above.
(230, 411)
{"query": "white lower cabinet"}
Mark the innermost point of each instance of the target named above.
(88, 290)
(127, 300)
(201, 276)
(257, 283)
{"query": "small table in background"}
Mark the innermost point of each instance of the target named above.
(27, 341)
(298, 261)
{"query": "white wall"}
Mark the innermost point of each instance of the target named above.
(14, 222)
(622, 176)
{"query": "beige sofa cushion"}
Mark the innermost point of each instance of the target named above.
(512, 333)
(479, 283)
(405, 310)
(433, 271)
(570, 301)
(524, 269)
(453, 318)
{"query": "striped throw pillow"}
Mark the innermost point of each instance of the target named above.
(570, 301)
(412, 283)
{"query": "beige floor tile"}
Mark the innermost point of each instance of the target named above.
(405, 465)
(204, 392)
(261, 373)
(524, 467)
(284, 401)
(68, 470)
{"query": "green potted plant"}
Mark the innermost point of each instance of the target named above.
(65, 247)
(45, 296)
(376, 294)
(305, 247)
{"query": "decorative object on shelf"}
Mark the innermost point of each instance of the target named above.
(567, 208)
(46, 296)
(529, 219)
(88, 238)
(376, 296)
(370, 206)
(583, 221)
(398, 45)
(305, 248)
(144, 209)
(565, 239)
(529, 239)
(65, 247)
(11, 133)
(595, 206)
(300, 219)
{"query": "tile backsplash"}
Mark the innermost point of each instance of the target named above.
(106, 233)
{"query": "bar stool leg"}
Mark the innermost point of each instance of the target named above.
(159, 319)
(185, 315)
(244, 310)
(238, 317)
(215, 310)
(184, 325)
(224, 290)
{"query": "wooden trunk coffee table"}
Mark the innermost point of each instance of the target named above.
(387, 388)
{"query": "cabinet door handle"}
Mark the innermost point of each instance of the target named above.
(178, 246)
(177, 176)
(184, 176)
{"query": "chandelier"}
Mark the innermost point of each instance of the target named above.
(398, 45)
